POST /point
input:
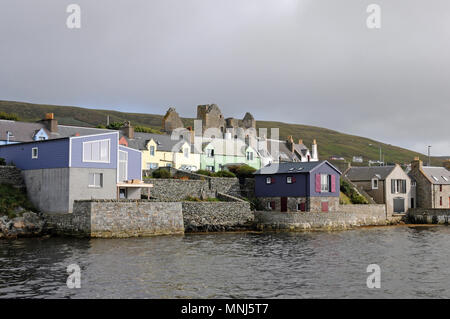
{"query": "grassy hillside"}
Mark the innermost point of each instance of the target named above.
(330, 142)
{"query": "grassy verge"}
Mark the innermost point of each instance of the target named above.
(12, 198)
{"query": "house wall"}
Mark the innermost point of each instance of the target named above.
(437, 194)
(77, 150)
(48, 189)
(305, 184)
(397, 173)
(79, 185)
(323, 169)
(51, 154)
(424, 188)
(218, 160)
(280, 187)
(134, 162)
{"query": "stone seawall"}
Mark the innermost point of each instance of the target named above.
(217, 216)
(11, 175)
(358, 215)
(428, 216)
(118, 219)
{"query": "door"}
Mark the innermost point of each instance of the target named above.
(324, 207)
(302, 207)
(284, 204)
(399, 205)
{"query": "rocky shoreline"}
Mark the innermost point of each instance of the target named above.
(29, 224)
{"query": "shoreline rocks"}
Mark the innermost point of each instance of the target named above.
(29, 224)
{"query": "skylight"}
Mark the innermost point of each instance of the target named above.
(445, 178)
(435, 178)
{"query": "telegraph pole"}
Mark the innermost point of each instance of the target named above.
(429, 155)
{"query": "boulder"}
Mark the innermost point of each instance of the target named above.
(28, 225)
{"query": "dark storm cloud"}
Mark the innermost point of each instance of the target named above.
(314, 62)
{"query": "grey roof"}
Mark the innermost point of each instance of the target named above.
(21, 131)
(164, 142)
(69, 131)
(25, 131)
(367, 173)
(285, 154)
(437, 175)
(292, 167)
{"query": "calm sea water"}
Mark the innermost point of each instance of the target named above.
(414, 261)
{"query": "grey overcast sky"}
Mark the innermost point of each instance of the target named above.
(311, 62)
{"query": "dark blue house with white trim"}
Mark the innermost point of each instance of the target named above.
(59, 171)
(294, 186)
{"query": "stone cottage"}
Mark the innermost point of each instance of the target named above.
(432, 184)
(388, 185)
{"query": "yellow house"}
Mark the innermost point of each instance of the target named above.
(161, 151)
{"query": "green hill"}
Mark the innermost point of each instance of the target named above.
(330, 142)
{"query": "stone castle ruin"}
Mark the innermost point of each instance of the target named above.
(212, 118)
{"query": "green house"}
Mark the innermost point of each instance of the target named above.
(221, 152)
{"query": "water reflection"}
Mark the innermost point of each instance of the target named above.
(414, 263)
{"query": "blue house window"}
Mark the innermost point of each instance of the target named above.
(34, 153)
(290, 179)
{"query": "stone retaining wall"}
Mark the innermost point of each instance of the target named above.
(124, 218)
(369, 215)
(176, 189)
(428, 216)
(11, 175)
(217, 216)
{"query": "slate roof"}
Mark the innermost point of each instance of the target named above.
(25, 131)
(292, 167)
(367, 173)
(21, 131)
(164, 142)
(285, 155)
(437, 175)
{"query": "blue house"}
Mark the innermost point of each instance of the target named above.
(294, 186)
(59, 171)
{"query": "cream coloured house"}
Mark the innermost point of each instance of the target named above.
(160, 150)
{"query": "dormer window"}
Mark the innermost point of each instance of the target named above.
(152, 151)
(374, 183)
(186, 152)
(210, 152)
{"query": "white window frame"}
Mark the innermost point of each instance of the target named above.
(97, 141)
(94, 185)
(268, 180)
(373, 184)
(126, 164)
(210, 168)
(186, 152)
(249, 156)
(289, 179)
(152, 150)
(322, 184)
(210, 152)
(37, 153)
